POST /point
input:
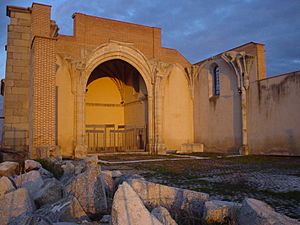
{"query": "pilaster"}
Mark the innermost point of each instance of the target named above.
(76, 69)
(160, 74)
(241, 63)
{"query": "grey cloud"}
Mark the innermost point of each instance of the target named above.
(200, 29)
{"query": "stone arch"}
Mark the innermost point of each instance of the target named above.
(123, 51)
(209, 65)
(103, 53)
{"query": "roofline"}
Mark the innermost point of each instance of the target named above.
(79, 13)
(36, 3)
(248, 43)
(296, 72)
(9, 8)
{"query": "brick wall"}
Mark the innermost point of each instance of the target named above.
(43, 93)
(41, 19)
(90, 32)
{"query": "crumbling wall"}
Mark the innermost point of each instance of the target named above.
(274, 118)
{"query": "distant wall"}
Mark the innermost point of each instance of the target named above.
(103, 103)
(274, 115)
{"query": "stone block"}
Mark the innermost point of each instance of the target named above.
(9, 169)
(67, 209)
(18, 49)
(19, 68)
(19, 28)
(15, 204)
(20, 15)
(50, 192)
(163, 215)
(255, 212)
(26, 36)
(88, 188)
(24, 22)
(190, 148)
(220, 211)
(19, 42)
(154, 195)
(5, 186)
(21, 83)
(20, 90)
(14, 35)
(31, 165)
(32, 181)
(128, 209)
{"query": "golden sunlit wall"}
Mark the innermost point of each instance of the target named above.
(103, 103)
(135, 107)
(65, 109)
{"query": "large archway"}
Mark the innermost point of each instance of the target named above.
(116, 108)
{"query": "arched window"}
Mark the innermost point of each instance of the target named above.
(216, 81)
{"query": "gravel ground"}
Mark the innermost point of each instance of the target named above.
(275, 180)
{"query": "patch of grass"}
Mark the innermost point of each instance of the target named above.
(52, 167)
(291, 195)
(129, 157)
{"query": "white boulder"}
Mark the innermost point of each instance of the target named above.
(154, 195)
(5, 186)
(163, 215)
(88, 188)
(220, 211)
(128, 209)
(9, 168)
(32, 181)
(32, 165)
(255, 212)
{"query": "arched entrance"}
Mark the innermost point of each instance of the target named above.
(116, 108)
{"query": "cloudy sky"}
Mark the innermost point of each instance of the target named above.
(197, 28)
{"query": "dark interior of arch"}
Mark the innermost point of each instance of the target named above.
(117, 69)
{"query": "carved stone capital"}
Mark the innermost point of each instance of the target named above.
(241, 63)
(160, 70)
(76, 68)
(191, 74)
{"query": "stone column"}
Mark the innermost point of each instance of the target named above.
(159, 145)
(76, 69)
(150, 125)
(80, 146)
(241, 64)
(160, 73)
(244, 150)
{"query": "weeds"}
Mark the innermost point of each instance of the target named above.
(52, 167)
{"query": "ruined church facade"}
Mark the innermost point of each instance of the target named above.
(112, 87)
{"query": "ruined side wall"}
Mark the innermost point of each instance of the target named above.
(217, 119)
(274, 115)
(16, 103)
